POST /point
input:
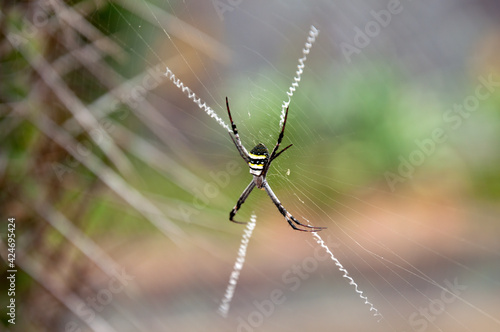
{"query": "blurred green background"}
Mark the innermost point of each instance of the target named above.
(108, 167)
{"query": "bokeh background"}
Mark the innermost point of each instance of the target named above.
(121, 186)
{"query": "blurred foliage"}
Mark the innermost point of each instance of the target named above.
(359, 124)
(348, 126)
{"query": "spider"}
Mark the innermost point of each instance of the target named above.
(258, 161)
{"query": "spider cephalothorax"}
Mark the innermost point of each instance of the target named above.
(258, 161)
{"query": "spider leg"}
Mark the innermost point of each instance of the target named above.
(236, 139)
(241, 200)
(280, 138)
(277, 154)
(241, 151)
(282, 133)
(289, 218)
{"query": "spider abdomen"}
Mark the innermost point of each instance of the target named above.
(259, 156)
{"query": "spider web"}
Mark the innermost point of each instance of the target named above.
(423, 252)
(353, 215)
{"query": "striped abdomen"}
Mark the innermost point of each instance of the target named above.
(259, 156)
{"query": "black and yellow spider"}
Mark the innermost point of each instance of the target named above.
(259, 161)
